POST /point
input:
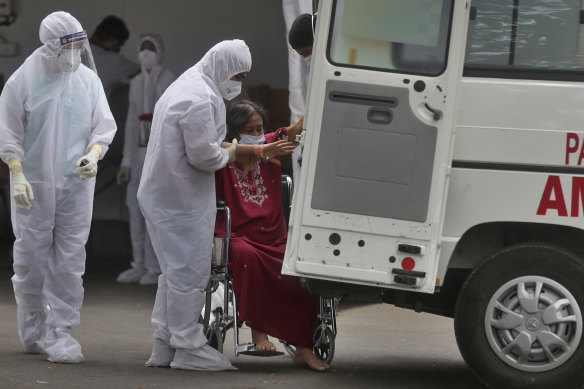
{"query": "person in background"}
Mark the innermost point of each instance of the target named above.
(145, 90)
(301, 35)
(268, 302)
(55, 124)
(107, 40)
(300, 38)
(297, 68)
(177, 198)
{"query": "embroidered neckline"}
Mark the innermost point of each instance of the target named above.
(252, 190)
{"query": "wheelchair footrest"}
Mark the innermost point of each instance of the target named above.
(250, 349)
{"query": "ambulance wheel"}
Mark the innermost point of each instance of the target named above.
(518, 320)
(324, 344)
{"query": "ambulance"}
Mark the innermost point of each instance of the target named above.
(442, 170)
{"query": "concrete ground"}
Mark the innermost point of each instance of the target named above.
(377, 346)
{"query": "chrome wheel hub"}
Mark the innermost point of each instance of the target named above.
(533, 323)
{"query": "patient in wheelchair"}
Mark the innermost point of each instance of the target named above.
(268, 302)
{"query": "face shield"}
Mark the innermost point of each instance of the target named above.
(73, 51)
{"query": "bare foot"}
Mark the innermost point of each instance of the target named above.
(261, 341)
(305, 357)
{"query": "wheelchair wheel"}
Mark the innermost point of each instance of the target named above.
(216, 337)
(324, 344)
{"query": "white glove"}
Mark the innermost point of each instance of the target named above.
(87, 165)
(123, 175)
(231, 150)
(21, 189)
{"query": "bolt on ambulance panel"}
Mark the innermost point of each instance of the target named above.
(370, 201)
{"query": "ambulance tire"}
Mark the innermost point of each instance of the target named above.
(496, 284)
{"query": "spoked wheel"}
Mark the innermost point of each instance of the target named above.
(324, 344)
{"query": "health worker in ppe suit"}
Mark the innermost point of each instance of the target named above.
(145, 89)
(177, 198)
(55, 124)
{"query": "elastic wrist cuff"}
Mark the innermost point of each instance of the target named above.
(97, 148)
(15, 163)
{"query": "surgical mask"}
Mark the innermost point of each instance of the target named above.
(246, 139)
(230, 89)
(148, 59)
(69, 60)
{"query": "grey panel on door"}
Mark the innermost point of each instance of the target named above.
(374, 164)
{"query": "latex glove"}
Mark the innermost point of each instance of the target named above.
(87, 165)
(123, 175)
(21, 189)
(231, 150)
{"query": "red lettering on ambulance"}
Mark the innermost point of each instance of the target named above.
(569, 148)
(577, 195)
(553, 187)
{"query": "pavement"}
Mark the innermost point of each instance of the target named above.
(377, 346)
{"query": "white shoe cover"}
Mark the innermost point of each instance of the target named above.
(149, 279)
(65, 349)
(204, 358)
(35, 348)
(162, 355)
(32, 330)
(130, 276)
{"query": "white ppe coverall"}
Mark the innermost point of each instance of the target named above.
(48, 120)
(298, 70)
(177, 198)
(145, 89)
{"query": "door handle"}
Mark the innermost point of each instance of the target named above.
(379, 115)
(436, 113)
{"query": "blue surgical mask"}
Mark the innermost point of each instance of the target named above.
(245, 139)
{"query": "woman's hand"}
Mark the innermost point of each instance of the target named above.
(271, 150)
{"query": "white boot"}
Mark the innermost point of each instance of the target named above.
(204, 358)
(62, 348)
(31, 328)
(161, 356)
(130, 276)
(149, 279)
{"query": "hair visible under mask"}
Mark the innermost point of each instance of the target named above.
(238, 114)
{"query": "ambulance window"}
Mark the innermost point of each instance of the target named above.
(537, 38)
(405, 36)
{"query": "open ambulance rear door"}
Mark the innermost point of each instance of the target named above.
(369, 202)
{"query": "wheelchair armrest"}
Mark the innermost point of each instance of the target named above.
(220, 203)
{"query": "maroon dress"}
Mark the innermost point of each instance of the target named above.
(267, 300)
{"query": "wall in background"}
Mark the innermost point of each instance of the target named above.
(188, 27)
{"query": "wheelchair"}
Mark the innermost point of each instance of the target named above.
(225, 316)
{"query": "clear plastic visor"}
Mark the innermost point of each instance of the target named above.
(74, 51)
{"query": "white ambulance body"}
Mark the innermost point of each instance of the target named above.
(442, 170)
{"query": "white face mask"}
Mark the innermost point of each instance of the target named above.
(148, 59)
(69, 60)
(246, 139)
(230, 89)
